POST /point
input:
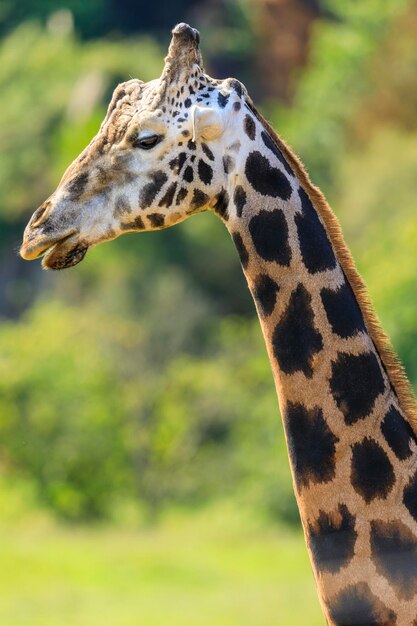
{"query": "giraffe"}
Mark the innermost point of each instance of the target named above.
(186, 143)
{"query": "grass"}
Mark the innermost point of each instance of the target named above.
(216, 567)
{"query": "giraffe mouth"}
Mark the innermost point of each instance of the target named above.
(57, 254)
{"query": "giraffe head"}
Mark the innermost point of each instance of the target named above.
(158, 157)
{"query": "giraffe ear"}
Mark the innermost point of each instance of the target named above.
(207, 123)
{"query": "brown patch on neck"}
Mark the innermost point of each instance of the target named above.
(389, 358)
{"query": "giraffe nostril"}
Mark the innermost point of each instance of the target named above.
(40, 215)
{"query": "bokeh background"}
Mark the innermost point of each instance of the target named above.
(143, 472)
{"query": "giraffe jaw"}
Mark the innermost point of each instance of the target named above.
(65, 254)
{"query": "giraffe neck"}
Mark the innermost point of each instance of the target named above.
(352, 451)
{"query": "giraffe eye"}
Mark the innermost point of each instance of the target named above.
(146, 143)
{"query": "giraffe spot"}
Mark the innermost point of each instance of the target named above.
(269, 233)
(266, 179)
(315, 247)
(410, 497)
(150, 190)
(191, 145)
(188, 175)
(236, 106)
(199, 199)
(222, 99)
(177, 163)
(222, 203)
(265, 293)
(136, 224)
(228, 164)
(205, 172)
(241, 248)
(187, 103)
(394, 552)
(249, 127)
(185, 133)
(207, 151)
(398, 433)
(168, 197)
(342, 311)
(121, 206)
(181, 195)
(356, 605)
(77, 185)
(236, 85)
(295, 339)
(271, 145)
(239, 198)
(332, 539)
(355, 383)
(372, 474)
(311, 445)
(157, 220)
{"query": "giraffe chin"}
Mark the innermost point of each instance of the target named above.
(62, 256)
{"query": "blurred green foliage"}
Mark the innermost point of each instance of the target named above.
(139, 379)
(98, 18)
(328, 92)
(186, 429)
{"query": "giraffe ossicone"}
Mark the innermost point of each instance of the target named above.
(186, 143)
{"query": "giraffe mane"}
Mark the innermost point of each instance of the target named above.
(387, 354)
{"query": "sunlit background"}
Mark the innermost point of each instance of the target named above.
(143, 472)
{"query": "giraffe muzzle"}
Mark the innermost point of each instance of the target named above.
(58, 252)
